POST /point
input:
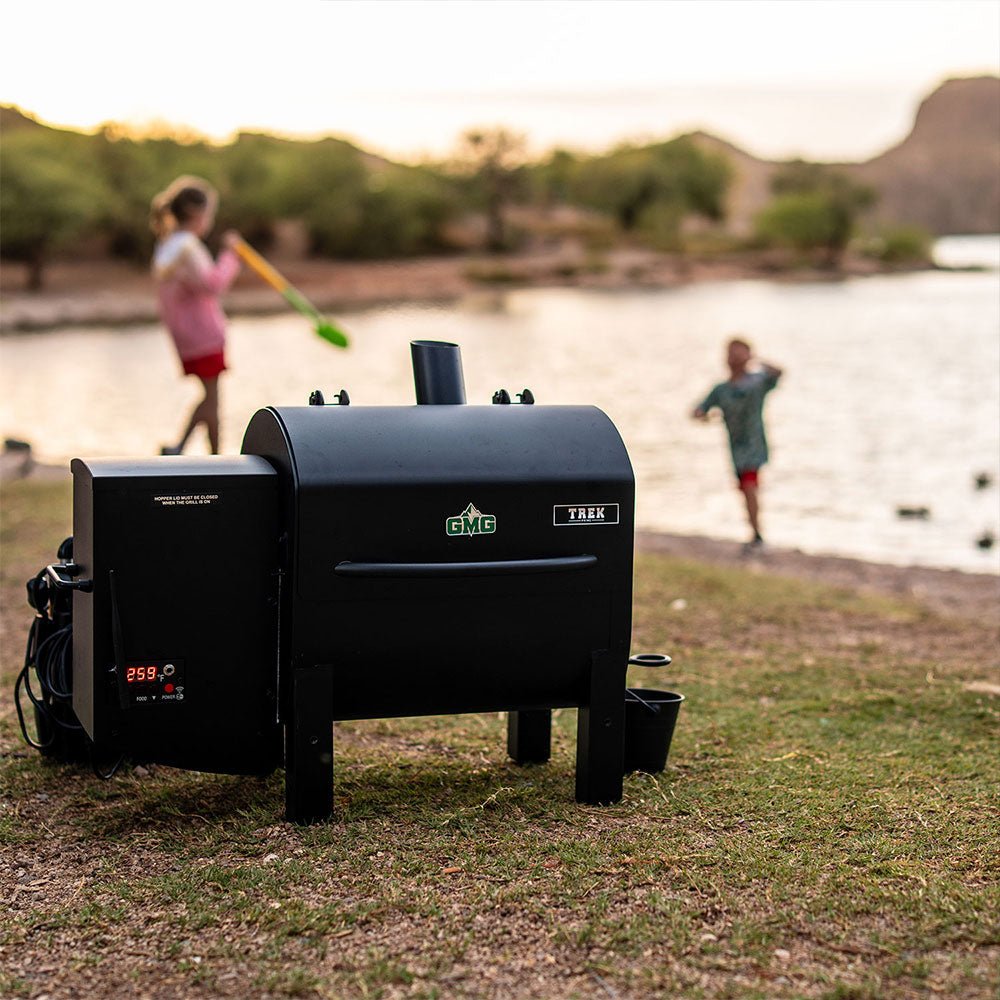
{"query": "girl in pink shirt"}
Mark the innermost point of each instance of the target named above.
(189, 284)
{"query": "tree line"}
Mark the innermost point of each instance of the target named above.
(61, 190)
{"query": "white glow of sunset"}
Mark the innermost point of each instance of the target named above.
(827, 79)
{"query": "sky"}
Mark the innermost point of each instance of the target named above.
(823, 79)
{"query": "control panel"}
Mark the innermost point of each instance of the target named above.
(154, 682)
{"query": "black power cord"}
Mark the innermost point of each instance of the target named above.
(111, 772)
(23, 680)
(49, 653)
(52, 661)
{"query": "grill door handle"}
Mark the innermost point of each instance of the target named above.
(501, 567)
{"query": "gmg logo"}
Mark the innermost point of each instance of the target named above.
(471, 522)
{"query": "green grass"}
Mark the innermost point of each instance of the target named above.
(827, 827)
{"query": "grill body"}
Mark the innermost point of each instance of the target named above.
(359, 562)
(446, 559)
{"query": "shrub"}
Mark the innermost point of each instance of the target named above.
(815, 208)
(803, 220)
(901, 245)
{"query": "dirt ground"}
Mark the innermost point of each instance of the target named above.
(952, 592)
(824, 829)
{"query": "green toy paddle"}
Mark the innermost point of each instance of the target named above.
(292, 295)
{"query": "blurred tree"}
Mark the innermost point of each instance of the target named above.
(650, 189)
(324, 185)
(127, 169)
(815, 208)
(50, 195)
(60, 186)
(553, 178)
(404, 210)
(256, 188)
(493, 161)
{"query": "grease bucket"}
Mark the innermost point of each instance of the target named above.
(650, 718)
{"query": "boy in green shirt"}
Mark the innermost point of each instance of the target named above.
(741, 400)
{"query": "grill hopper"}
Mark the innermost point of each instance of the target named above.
(447, 559)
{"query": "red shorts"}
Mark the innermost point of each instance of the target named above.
(748, 477)
(208, 366)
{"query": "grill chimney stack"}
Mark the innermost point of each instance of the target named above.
(437, 372)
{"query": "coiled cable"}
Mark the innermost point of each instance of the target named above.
(52, 661)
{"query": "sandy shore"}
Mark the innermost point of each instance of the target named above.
(948, 591)
(107, 292)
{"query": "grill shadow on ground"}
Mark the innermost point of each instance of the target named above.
(387, 767)
(450, 789)
(379, 775)
(165, 797)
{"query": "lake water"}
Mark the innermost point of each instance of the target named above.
(891, 395)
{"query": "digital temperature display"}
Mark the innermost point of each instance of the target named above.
(160, 682)
(140, 675)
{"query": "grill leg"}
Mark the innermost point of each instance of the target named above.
(309, 746)
(600, 733)
(529, 735)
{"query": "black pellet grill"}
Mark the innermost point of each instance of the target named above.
(354, 563)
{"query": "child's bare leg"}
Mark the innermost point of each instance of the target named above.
(192, 423)
(749, 491)
(205, 412)
(210, 412)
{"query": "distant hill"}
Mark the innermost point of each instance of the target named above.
(12, 118)
(945, 175)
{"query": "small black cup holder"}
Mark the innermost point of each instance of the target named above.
(650, 660)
